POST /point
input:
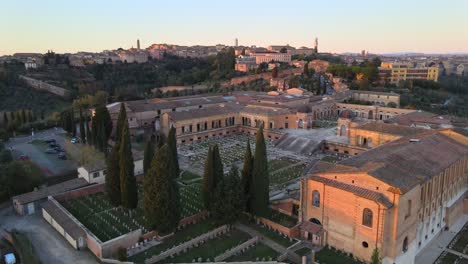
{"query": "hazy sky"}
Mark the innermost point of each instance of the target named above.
(341, 25)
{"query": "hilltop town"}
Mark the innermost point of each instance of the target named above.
(190, 154)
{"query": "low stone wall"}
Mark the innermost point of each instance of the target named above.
(187, 245)
(110, 248)
(234, 250)
(292, 232)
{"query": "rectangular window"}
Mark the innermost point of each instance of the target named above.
(95, 175)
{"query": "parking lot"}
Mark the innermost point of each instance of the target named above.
(34, 148)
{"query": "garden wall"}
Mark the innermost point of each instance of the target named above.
(293, 232)
(110, 248)
(80, 192)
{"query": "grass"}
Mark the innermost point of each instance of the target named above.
(303, 251)
(271, 234)
(189, 176)
(277, 164)
(328, 256)
(211, 248)
(461, 241)
(448, 258)
(259, 251)
(282, 219)
(179, 237)
(285, 175)
(107, 222)
(24, 247)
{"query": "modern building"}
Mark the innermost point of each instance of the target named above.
(396, 72)
(245, 64)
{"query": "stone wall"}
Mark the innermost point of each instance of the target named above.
(40, 85)
(231, 252)
(110, 248)
(292, 232)
(189, 244)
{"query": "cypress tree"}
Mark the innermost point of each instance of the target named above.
(72, 122)
(228, 203)
(120, 122)
(12, 116)
(30, 118)
(306, 69)
(218, 170)
(148, 155)
(375, 258)
(208, 178)
(82, 128)
(246, 174)
(5, 119)
(18, 118)
(113, 176)
(172, 144)
(128, 186)
(102, 139)
(259, 193)
(89, 136)
(161, 193)
(23, 116)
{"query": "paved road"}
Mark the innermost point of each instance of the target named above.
(432, 251)
(48, 244)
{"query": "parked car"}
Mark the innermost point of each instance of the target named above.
(50, 140)
(62, 155)
(50, 151)
(74, 140)
(24, 157)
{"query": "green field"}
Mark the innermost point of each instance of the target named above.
(258, 252)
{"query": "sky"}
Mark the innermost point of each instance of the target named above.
(379, 26)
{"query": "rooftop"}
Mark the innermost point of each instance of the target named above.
(65, 221)
(390, 128)
(50, 190)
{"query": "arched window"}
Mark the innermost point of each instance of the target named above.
(367, 217)
(405, 244)
(300, 124)
(316, 198)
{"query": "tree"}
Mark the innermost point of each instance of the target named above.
(89, 136)
(229, 202)
(128, 186)
(113, 176)
(23, 116)
(208, 178)
(375, 258)
(120, 122)
(161, 193)
(274, 72)
(5, 120)
(172, 144)
(306, 69)
(246, 174)
(259, 192)
(218, 168)
(148, 155)
(82, 127)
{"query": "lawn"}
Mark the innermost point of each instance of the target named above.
(258, 252)
(328, 256)
(188, 176)
(272, 234)
(282, 219)
(178, 238)
(107, 222)
(447, 258)
(305, 251)
(211, 248)
(277, 164)
(285, 175)
(460, 242)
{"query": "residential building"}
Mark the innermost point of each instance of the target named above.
(396, 72)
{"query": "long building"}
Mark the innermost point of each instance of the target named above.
(396, 72)
(396, 197)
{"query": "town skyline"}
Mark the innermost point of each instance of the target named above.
(341, 27)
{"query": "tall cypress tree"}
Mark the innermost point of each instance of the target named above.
(89, 136)
(246, 174)
(218, 170)
(5, 119)
(208, 178)
(148, 155)
(259, 193)
(172, 144)
(113, 176)
(23, 116)
(228, 203)
(161, 193)
(122, 119)
(128, 186)
(82, 128)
